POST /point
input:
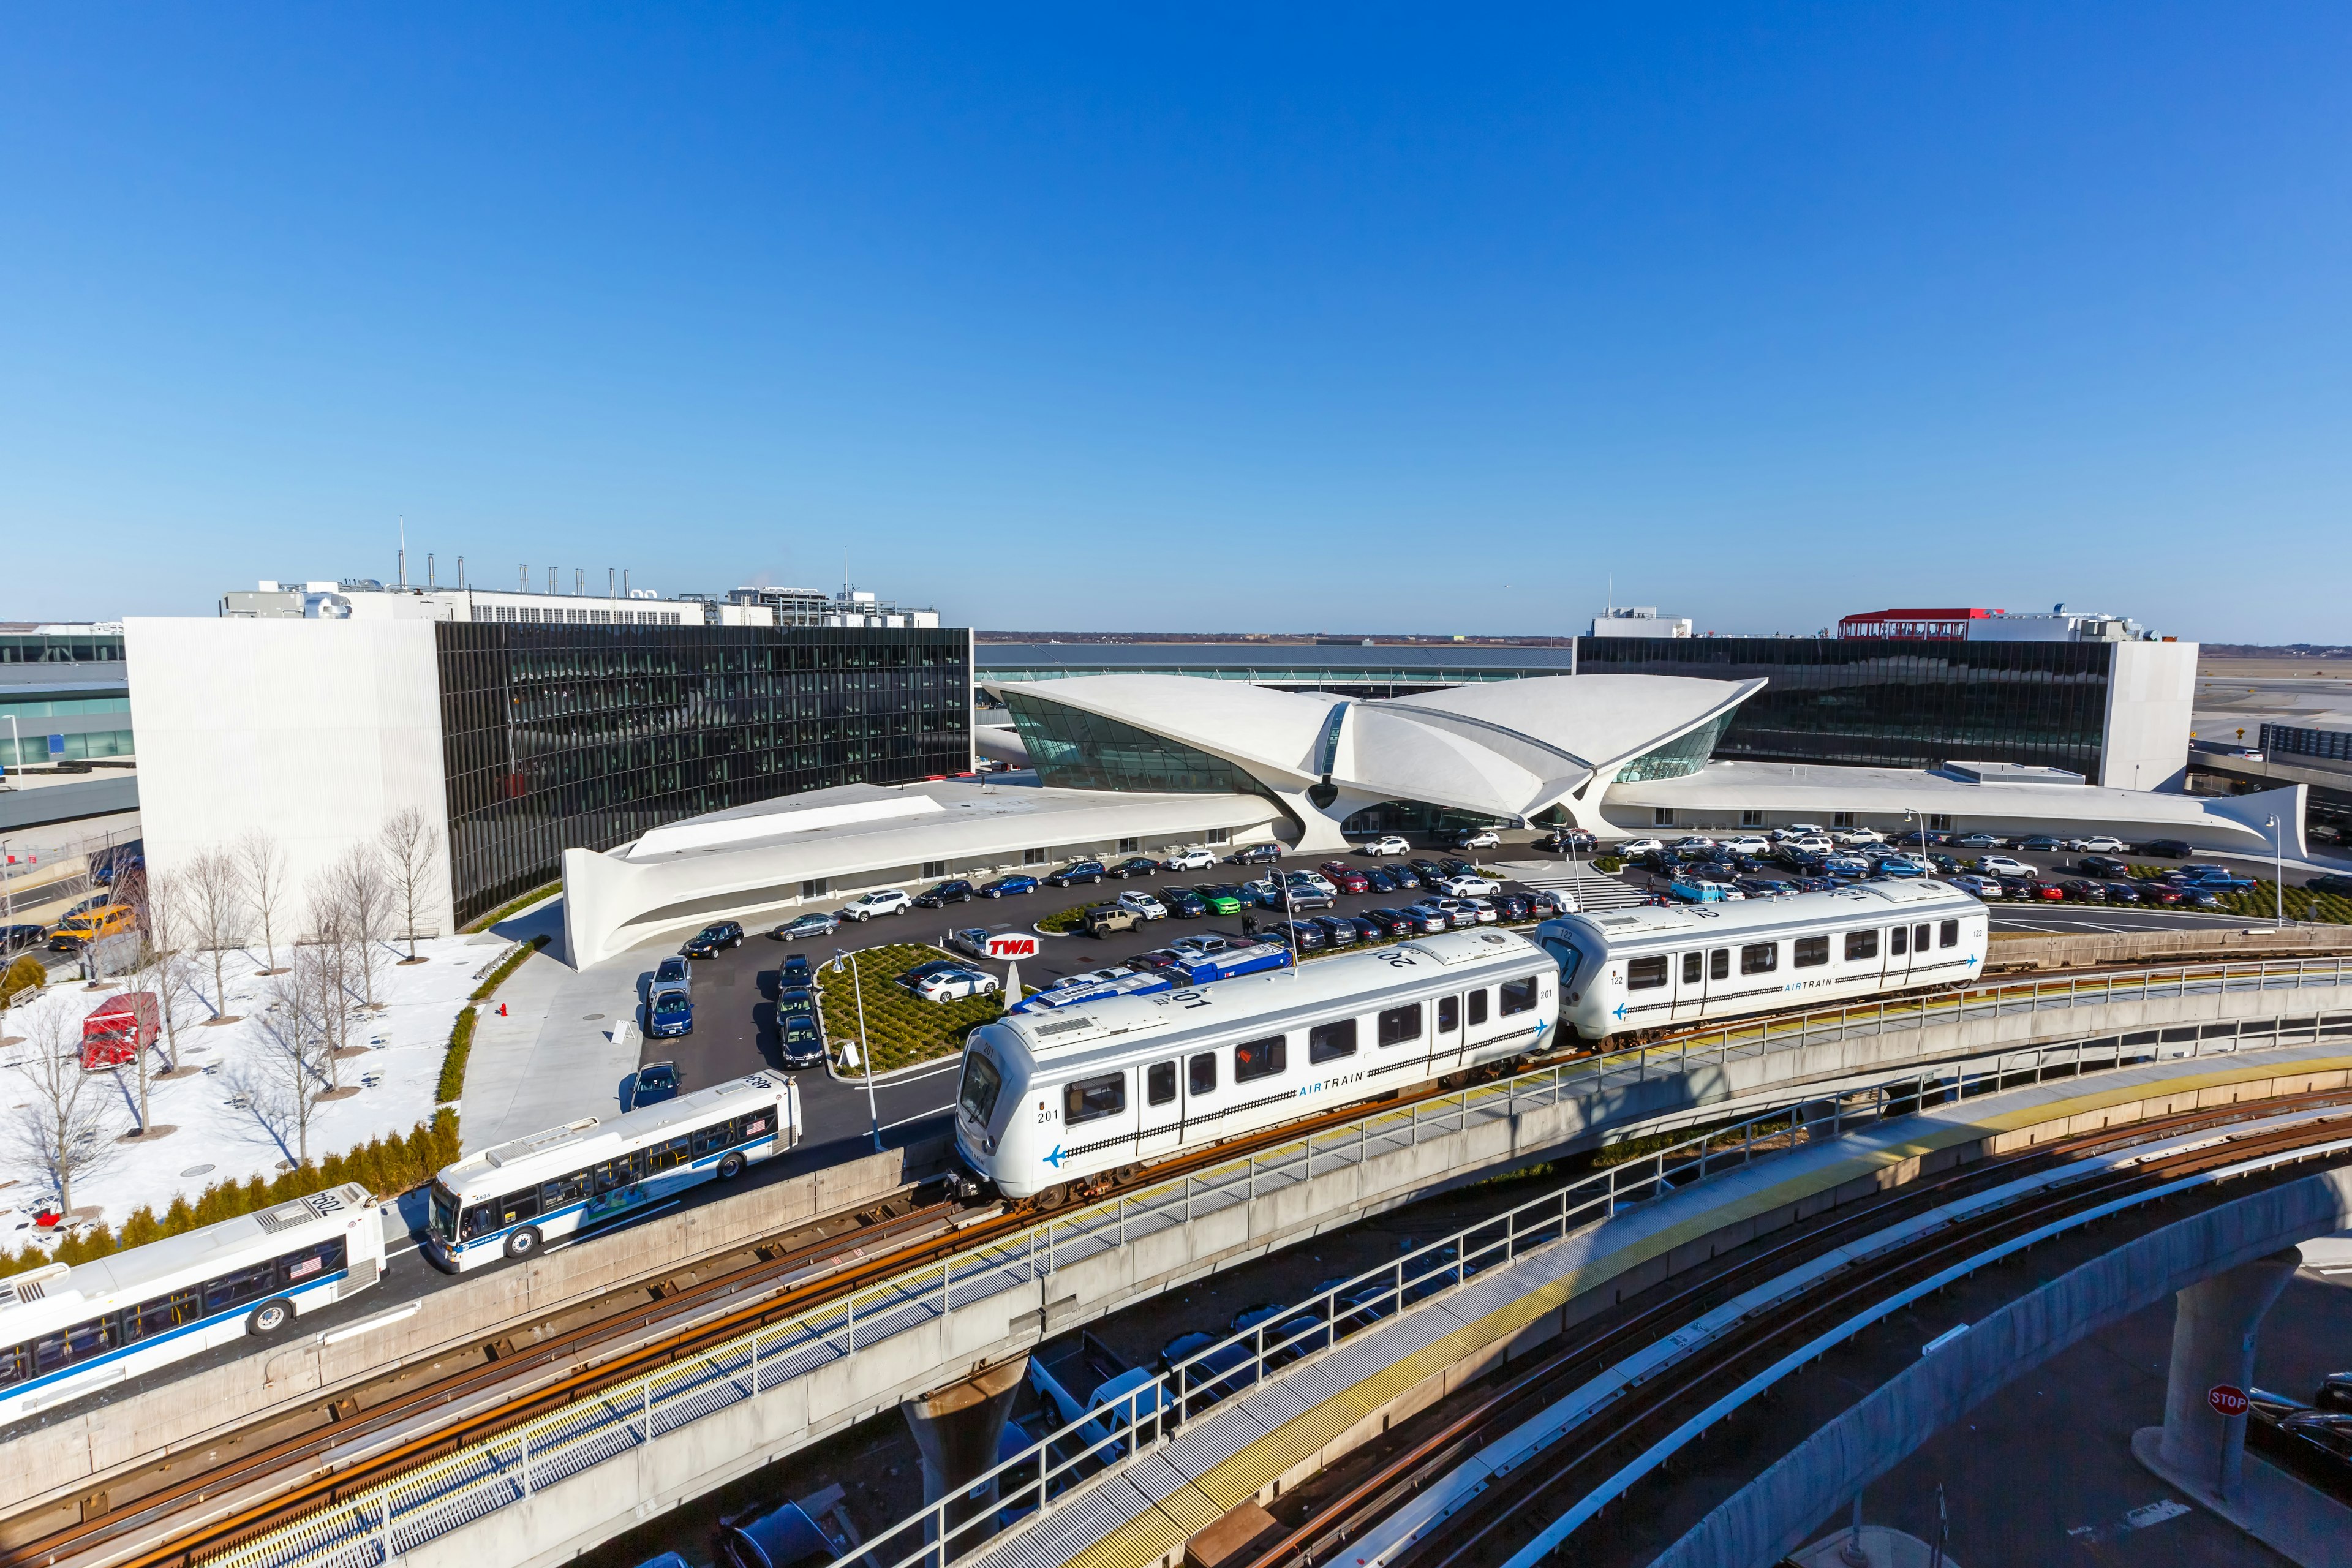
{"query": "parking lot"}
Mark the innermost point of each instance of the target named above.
(735, 993)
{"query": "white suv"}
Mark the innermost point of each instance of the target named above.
(888, 901)
(1189, 860)
(2002, 865)
(1468, 887)
(1747, 844)
(1392, 845)
(1144, 904)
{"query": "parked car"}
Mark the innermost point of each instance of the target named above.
(1075, 873)
(78, 931)
(954, 984)
(2168, 848)
(1348, 880)
(1222, 897)
(883, 901)
(1429, 873)
(1633, 849)
(672, 973)
(1394, 923)
(909, 978)
(1189, 860)
(2100, 843)
(1480, 838)
(2105, 867)
(2040, 841)
(802, 926)
(1007, 887)
(1254, 855)
(1747, 844)
(1764, 886)
(1512, 909)
(1544, 904)
(2081, 891)
(1299, 936)
(1303, 895)
(17, 939)
(1387, 843)
(2331, 882)
(1568, 841)
(1337, 930)
(1133, 865)
(1978, 841)
(656, 1082)
(2201, 899)
(1109, 920)
(2212, 878)
(1458, 912)
(1144, 904)
(1314, 879)
(791, 999)
(1470, 886)
(803, 1042)
(1184, 903)
(712, 939)
(1426, 919)
(1379, 880)
(668, 1013)
(958, 892)
(2121, 892)
(2005, 866)
(1986, 888)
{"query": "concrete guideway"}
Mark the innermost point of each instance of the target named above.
(738, 1405)
(1145, 1510)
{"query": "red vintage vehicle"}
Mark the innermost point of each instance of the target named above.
(118, 1030)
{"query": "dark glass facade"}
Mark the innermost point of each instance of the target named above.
(1886, 703)
(1075, 750)
(556, 737)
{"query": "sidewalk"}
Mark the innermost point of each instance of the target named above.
(559, 1054)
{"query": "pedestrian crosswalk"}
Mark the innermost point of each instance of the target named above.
(1590, 889)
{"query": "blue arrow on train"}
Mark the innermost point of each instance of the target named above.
(1054, 1159)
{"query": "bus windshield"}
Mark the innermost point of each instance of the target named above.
(982, 1084)
(443, 1206)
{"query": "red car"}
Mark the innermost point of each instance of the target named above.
(1347, 880)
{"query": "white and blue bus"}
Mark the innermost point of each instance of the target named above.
(512, 1200)
(69, 1330)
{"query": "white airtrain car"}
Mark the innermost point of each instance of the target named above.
(1053, 1099)
(1674, 966)
(68, 1332)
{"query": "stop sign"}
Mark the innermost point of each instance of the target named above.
(1012, 947)
(2226, 1400)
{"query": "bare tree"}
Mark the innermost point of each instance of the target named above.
(213, 899)
(64, 1130)
(360, 897)
(261, 872)
(158, 971)
(412, 852)
(283, 1085)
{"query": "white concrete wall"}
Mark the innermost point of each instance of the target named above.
(315, 730)
(2150, 690)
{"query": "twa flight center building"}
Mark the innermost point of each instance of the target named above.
(1144, 763)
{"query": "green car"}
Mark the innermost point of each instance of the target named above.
(1222, 899)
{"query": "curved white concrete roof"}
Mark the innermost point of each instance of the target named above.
(1506, 749)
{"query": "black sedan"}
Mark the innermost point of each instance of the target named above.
(1133, 865)
(1298, 936)
(956, 892)
(2121, 893)
(17, 939)
(1393, 922)
(712, 939)
(2340, 885)
(1076, 872)
(1184, 903)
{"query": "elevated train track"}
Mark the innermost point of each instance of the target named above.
(186, 1508)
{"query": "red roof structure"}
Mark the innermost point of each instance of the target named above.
(1926, 625)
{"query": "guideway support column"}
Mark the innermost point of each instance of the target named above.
(2213, 1343)
(956, 1428)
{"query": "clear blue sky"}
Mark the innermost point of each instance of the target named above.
(1111, 318)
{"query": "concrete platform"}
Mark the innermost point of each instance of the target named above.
(2292, 1518)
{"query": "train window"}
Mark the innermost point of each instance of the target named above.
(1477, 1008)
(1159, 1083)
(1092, 1099)
(1759, 958)
(1518, 995)
(1898, 941)
(1328, 1042)
(1204, 1073)
(1918, 939)
(1645, 974)
(1808, 951)
(1694, 965)
(1861, 945)
(1449, 1014)
(1258, 1058)
(1718, 965)
(571, 1189)
(1948, 934)
(1398, 1025)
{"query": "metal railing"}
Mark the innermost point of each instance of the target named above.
(395, 1516)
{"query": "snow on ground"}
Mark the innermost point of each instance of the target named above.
(214, 1141)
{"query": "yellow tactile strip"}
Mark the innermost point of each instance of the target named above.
(1157, 1531)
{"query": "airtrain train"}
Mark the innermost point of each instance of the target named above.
(1623, 970)
(1056, 1102)
(1053, 1104)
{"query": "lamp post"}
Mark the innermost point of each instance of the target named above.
(865, 1046)
(2278, 867)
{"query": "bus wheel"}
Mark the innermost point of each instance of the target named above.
(523, 1242)
(730, 1167)
(269, 1319)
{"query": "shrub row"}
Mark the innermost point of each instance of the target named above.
(900, 1027)
(453, 1061)
(383, 1166)
(1062, 921)
(513, 906)
(514, 962)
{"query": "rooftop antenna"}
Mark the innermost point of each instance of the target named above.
(428, 569)
(522, 577)
(579, 582)
(461, 572)
(404, 552)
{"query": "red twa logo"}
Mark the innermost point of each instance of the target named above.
(1012, 947)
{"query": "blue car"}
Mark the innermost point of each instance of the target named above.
(2211, 878)
(1005, 887)
(657, 1081)
(669, 1014)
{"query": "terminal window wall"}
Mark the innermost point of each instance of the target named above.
(560, 736)
(1682, 755)
(1071, 750)
(1884, 704)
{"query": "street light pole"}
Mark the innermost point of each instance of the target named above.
(865, 1046)
(2278, 867)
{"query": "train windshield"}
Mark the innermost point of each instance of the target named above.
(982, 1084)
(1565, 953)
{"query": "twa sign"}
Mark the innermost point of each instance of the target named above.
(1012, 947)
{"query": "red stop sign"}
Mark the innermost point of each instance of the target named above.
(2226, 1400)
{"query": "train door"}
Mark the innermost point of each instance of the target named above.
(1445, 1040)
(1718, 975)
(1907, 946)
(1161, 1124)
(1690, 984)
(1477, 1027)
(1199, 1098)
